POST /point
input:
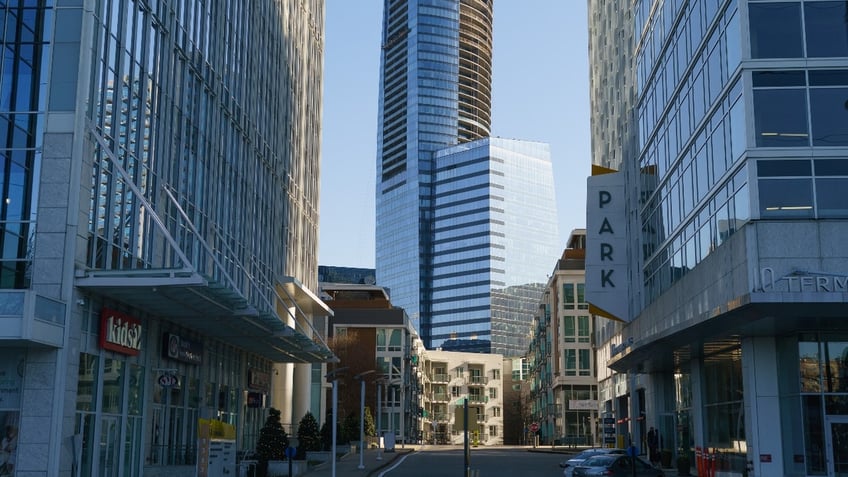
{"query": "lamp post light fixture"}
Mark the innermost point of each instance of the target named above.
(334, 376)
(361, 378)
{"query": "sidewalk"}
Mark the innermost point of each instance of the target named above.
(349, 464)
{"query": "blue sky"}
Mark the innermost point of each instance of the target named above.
(540, 93)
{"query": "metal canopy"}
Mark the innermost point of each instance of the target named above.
(209, 307)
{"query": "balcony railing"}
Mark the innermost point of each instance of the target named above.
(478, 380)
(478, 399)
(441, 378)
(441, 397)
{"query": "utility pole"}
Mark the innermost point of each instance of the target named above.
(467, 448)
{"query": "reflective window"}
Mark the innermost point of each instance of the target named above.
(829, 116)
(780, 117)
(831, 167)
(783, 168)
(786, 197)
(826, 28)
(775, 30)
(831, 199)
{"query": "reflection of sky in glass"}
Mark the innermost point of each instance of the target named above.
(496, 237)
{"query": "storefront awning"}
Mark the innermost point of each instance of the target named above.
(216, 310)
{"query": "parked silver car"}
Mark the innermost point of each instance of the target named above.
(616, 465)
(578, 458)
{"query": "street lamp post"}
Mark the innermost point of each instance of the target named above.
(334, 377)
(379, 418)
(361, 378)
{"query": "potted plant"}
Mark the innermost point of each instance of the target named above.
(683, 463)
(272, 442)
(665, 458)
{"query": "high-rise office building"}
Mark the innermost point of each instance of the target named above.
(727, 211)
(438, 247)
(160, 186)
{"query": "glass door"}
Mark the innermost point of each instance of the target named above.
(110, 438)
(837, 446)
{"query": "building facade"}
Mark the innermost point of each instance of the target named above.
(431, 224)
(143, 285)
(563, 380)
(734, 150)
(375, 340)
(449, 380)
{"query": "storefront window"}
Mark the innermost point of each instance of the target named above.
(11, 374)
(87, 379)
(136, 390)
(836, 369)
(808, 356)
(816, 457)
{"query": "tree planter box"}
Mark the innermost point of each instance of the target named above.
(318, 456)
(280, 468)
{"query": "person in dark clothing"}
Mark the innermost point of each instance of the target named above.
(653, 445)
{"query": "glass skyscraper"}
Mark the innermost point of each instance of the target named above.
(440, 236)
(727, 122)
(159, 169)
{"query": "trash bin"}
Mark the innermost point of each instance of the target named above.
(247, 468)
(389, 441)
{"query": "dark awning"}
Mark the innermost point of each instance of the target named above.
(216, 310)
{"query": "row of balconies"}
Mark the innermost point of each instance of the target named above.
(440, 396)
(444, 417)
(447, 378)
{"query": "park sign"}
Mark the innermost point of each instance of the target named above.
(607, 284)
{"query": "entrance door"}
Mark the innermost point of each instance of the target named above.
(837, 446)
(110, 440)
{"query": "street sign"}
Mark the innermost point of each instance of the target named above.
(609, 420)
(291, 452)
(609, 439)
(534, 427)
(168, 380)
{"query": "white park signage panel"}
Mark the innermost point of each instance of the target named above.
(607, 285)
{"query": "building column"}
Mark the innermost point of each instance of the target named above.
(281, 390)
(301, 392)
(762, 405)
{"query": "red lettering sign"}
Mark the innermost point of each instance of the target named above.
(119, 332)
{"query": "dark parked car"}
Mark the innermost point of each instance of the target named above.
(578, 459)
(612, 465)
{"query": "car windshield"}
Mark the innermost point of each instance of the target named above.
(586, 454)
(599, 461)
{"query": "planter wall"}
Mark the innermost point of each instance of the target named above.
(280, 468)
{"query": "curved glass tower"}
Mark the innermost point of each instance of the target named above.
(435, 91)
(439, 244)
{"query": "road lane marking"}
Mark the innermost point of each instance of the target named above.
(400, 461)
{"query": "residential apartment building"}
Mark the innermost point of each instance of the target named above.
(449, 379)
(375, 340)
(716, 242)
(563, 382)
(448, 198)
(159, 217)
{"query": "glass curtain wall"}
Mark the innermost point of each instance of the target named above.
(22, 104)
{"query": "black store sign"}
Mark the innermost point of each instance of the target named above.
(258, 380)
(181, 349)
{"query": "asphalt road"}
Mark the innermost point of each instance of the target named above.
(440, 461)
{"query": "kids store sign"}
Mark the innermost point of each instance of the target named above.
(120, 333)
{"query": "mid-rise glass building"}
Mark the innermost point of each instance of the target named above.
(732, 130)
(494, 223)
(435, 93)
(159, 225)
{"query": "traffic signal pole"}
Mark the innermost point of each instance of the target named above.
(467, 449)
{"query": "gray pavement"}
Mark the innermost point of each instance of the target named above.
(373, 461)
(376, 461)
